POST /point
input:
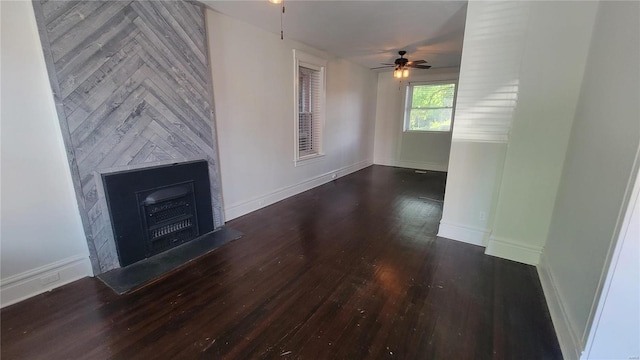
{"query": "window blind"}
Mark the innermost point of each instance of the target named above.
(309, 111)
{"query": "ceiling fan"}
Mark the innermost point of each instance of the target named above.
(403, 64)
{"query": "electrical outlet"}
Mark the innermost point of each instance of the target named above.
(49, 278)
(483, 215)
(333, 176)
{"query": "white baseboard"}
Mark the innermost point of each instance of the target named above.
(245, 207)
(411, 164)
(468, 234)
(22, 286)
(566, 333)
(513, 250)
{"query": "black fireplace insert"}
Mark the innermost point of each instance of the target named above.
(157, 208)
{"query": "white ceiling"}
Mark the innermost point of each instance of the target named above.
(365, 32)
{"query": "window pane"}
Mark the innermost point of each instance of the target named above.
(304, 89)
(430, 119)
(433, 95)
(305, 134)
(310, 107)
(306, 104)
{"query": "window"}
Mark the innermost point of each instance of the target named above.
(429, 106)
(309, 105)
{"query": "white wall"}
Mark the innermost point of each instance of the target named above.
(487, 94)
(253, 93)
(615, 333)
(474, 174)
(522, 67)
(597, 173)
(395, 147)
(549, 190)
(41, 233)
(553, 61)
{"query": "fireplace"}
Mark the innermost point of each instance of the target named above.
(169, 216)
(157, 208)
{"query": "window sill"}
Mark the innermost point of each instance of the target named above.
(309, 159)
(427, 131)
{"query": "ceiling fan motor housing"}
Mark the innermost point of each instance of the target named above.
(401, 61)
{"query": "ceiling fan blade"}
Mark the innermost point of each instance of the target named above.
(420, 66)
(415, 62)
(382, 67)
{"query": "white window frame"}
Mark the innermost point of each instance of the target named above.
(408, 97)
(303, 59)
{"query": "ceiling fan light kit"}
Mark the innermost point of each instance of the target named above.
(399, 73)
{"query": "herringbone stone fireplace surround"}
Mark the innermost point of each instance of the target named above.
(131, 84)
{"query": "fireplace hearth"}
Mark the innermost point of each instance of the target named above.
(155, 209)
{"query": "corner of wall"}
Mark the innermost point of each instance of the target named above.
(411, 164)
(567, 335)
(244, 207)
(514, 250)
(44, 278)
(463, 233)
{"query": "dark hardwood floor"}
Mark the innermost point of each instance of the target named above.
(349, 270)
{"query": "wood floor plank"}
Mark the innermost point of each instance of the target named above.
(65, 15)
(348, 270)
(189, 26)
(82, 138)
(148, 22)
(75, 36)
(103, 139)
(88, 96)
(172, 20)
(52, 10)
